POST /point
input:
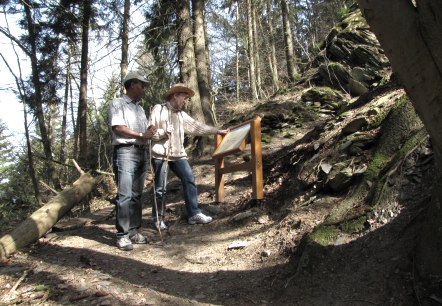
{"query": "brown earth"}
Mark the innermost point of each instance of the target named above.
(251, 254)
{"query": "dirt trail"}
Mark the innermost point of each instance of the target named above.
(229, 261)
(246, 256)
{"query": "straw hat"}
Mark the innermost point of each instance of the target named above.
(178, 88)
(134, 75)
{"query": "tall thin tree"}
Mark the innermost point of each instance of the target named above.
(256, 54)
(288, 40)
(202, 61)
(186, 57)
(82, 106)
(125, 43)
(273, 63)
(251, 52)
(38, 98)
(237, 54)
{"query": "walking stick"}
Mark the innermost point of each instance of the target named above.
(154, 193)
(163, 198)
(163, 201)
(153, 181)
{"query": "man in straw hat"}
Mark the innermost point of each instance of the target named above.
(172, 122)
(130, 132)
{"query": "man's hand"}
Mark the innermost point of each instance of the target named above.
(150, 131)
(223, 132)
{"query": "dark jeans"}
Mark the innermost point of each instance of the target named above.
(130, 168)
(183, 171)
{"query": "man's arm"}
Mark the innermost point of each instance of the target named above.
(122, 130)
(193, 127)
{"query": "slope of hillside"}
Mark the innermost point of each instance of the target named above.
(347, 173)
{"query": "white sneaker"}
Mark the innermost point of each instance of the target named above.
(138, 238)
(124, 243)
(200, 219)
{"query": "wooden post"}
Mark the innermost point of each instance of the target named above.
(256, 148)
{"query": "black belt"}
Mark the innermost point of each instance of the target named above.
(138, 146)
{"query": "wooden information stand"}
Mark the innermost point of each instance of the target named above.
(235, 141)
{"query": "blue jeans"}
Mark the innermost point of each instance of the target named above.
(130, 168)
(183, 171)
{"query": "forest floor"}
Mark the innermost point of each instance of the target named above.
(249, 255)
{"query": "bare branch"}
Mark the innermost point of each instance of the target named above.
(13, 38)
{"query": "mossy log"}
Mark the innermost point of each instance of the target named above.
(39, 223)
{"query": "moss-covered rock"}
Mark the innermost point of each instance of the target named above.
(324, 235)
(356, 87)
(326, 96)
(355, 125)
(335, 74)
(340, 177)
(340, 50)
(369, 56)
(355, 143)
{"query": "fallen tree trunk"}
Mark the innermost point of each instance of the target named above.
(39, 223)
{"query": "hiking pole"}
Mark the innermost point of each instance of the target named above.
(154, 185)
(154, 191)
(163, 198)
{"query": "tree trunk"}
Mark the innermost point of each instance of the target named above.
(41, 221)
(288, 41)
(125, 43)
(38, 100)
(238, 81)
(65, 113)
(273, 63)
(186, 58)
(82, 106)
(202, 62)
(257, 49)
(30, 156)
(412, 39)
(251, 53)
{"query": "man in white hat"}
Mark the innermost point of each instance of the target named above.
(130, 132)
(172, 122)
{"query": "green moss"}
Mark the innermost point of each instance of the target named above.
(376, 165)
(341, 211)
(354, 226)
(382, 115)
(319, 46)
(343, 12)
(344, 115)
(39, 288)
(387, 151)
(321, 93)
(378, 120)
(411, 143)
(265, 138)
(324, 235)
(401, 102)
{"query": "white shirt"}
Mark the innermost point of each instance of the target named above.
(162, 117)
(123, 111)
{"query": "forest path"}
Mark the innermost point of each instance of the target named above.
(229, 261)
(249, 255)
